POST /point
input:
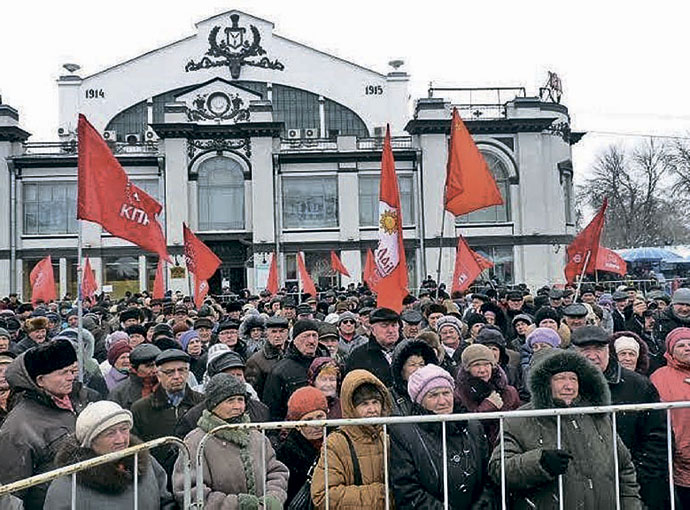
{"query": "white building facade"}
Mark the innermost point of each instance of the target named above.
(264, 145)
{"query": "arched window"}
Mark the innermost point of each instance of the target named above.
(497, 213)
(221, 194)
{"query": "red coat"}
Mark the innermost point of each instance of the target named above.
(673, 384)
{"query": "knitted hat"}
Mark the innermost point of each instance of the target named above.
(116, 350)
(4, 333)
(627, 343)
(674, 337)
(543, 336)
(427, 378)
(49, 357)
(35, 324)
(449, 320)
(187, 337)
(97, 417)
(681, 297)
(491, 335)
(306, 400)
(114, 337)
(475, 353)
(318, 365)
(223, 386)
(303, 325)
(545, 312)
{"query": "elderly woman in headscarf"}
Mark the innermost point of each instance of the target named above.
(324, 374)
(630, 351)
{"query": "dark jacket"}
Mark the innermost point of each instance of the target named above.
(109, 486)
(257, 412)
(370, 356)
(643, 433)
(417, 457)
(154, 417)
(34, 429)
(127, 392)
(666, 322)
(260, 364)
(402, 404)
(298, 454)
(619, 320)
(289, 374)
(588, 482)
(23, 345)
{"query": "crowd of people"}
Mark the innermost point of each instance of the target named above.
(156, 368)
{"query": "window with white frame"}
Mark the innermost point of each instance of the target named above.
(369, 199)
(221, 194)
(310, 201)
(50, 207)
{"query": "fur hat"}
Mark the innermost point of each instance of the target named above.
(305, 400)
(221, 387)
(545, 312)
(427, 378)
(35, 323)
(97, 417)
(49, 357)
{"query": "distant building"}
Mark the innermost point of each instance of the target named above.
(260, 144)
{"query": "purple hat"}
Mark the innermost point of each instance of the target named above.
(544, 336)
(187, 337)
(427, 378)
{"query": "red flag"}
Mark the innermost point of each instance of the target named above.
(370, 277)
(609, 260)
(389, 256)
(43, 282)
(307, 283)
(483, 262)
(272, 284)
(200, 260)
(337, 265)
(158, 285)
(107, 197)
(469, 183)
(467, 267)
(200, 291)
(88, 281)
(586, 242)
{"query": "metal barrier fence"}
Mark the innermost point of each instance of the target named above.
(558, 413)
(73, 469)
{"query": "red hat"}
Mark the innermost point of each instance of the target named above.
(306, 400)
(673, 338)
(118, 349)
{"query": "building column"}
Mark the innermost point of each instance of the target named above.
(142, 273)
(352, 260)
(62, 265)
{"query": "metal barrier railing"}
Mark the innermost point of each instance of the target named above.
(73, 469)
(558, 413)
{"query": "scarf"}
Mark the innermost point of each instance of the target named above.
(148, 385)
(63, 403)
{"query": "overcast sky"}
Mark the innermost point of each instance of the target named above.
(620, 62)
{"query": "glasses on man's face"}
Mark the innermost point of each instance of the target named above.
(172, 371)
(347, 321)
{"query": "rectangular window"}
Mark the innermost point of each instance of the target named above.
(50, 207)
(568, 195)
(318, 265)
(122, 273)
(369, 199)
(310, 202)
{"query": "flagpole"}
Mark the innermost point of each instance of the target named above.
(579, 283)
(80, 308)
(440, 242)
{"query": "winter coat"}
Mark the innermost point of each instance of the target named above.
(370, 357)
(666, 322)
(154, 417)
(288, 375)
(257, 412)
(232, 469)
(108, 486)
(644, 434)
(298, 454)
(619, 320)
(471, 393)
(368, 445)
(347, 346)
(673, 383)
(127, 392)
(417, 474)
(23, 345)
(114, 377)
(588, 482)
(33, 430)
(260, 364)
(402, 404)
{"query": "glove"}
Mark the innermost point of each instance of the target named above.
(555, 461)
(495, 399)
(247, 502)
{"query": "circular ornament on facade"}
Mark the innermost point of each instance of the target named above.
(218, 103)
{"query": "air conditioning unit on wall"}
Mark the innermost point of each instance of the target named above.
(133, 138)
(311, 133)
(110, 135)
(293, 134)
(150, 135)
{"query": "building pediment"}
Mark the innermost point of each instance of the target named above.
(218, 101)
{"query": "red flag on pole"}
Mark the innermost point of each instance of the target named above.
(88, 282)
(609, 260)
(483, 262)
(389, 256)
(43, 282)
(158, 285)
(337, 265)
(370, 277)
(106, 195)
(307, 283)
(467, 267)
(469, 183)
(200, 291)
(200, 260)
(586, 242)
(272, 284)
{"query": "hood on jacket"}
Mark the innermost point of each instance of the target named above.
(501, 320)
(671, 315)
(18, 378)
(86, 338)
(402, 352)
(593, 387)
(251, 321)
(354, 380)
(642, 360)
